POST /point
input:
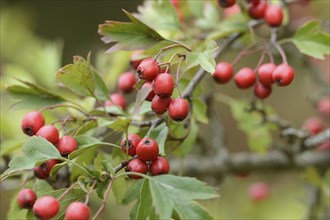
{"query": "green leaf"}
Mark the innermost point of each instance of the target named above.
(120, 124)
(128, 35)
(187, 145)
(200, 110)
(87, 127)
(78, 77)
(140, 98)
(119, 189)
(84, 143)
(86, 156)
(101, 187)
(144, 201)
(101, 90)
(160, 134)
(310, 40)
(192, 211)
(209, 16)
(204, 57)
(35, 149)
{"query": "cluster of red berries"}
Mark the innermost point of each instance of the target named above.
(33, 123)
(267, 74)
(47, 207)
(147, 151)
(259, 9)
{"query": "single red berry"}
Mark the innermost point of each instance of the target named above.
(49, 164)
(137, 165)
(133, 141)
(223, 72)
(265, 73)
(313, 125)
(147, 149)
(233, 10)
(151, 93)
(274, 15)
(135, 62)
(159, 105)
(325, 146)
(178, 109)
(253, 2)
(175, 3)
(262, 91)
(163, 85)
(283, 74)
(26, 198)
(46, 207)
(126, 82)
(159, 166)
(116, 99)
(323, 106)
(245, 78)
(67, 145)
(259, 191)
(226, 3)
(148, 69)
(258, 11)
(77, 211)
(32, 122)
(40, 173)
(50, 133)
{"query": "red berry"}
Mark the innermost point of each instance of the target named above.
(175, 3)
(163, 85)
(159, 105)
(137, 165)
(223, 72)
(151, 93)
(49, 132)
(32, 122)
(262, 91)
(258, 11)
(283, 75)
(40, 173)
(159, 166)
(323, 107)
(26, 198)
(259, 191)
(265, 73)
(126, 82)
(67, 145)
(226, 3)
(116, 99)
(253, 2)
(133, 141)
(274, 15)
(49, 164)
(147, 149)
(233, 10)
(325, 146)
(178, 109)
(46, 207)
(313, 125)
(134, 61)
(77, 211)
(148, 69)
(245, 78)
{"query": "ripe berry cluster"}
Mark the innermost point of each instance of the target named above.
(147, 151)
(47, 207)
(267, 74)
(33, 123)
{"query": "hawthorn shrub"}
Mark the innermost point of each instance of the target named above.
(156, 107)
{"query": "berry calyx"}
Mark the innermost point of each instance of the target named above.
(283, 74)
(32, 122)
(77, 211)
(323, 106)
(26, 198)
(245, 78)
(259, 191)
(163, 85)
(137, 165)
(262, 91)
(135, 62)
(313, 125)
(133, 141)
(159, 166)
(178, 109)
(50, 133)
(226, 3)
(148, 69)
(126, 82)
(117, 100)
(46, 207)
(223, 72)
(265, 73)
(274, 15)
(257, 11)
(67, 145)
(151, 93)
(147, 149)
(159, 105)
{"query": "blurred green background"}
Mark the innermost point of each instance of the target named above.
(39, 37)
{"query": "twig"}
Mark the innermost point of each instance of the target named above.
(105, 200)
(90, 191)
(67, 191)
(123, 164)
